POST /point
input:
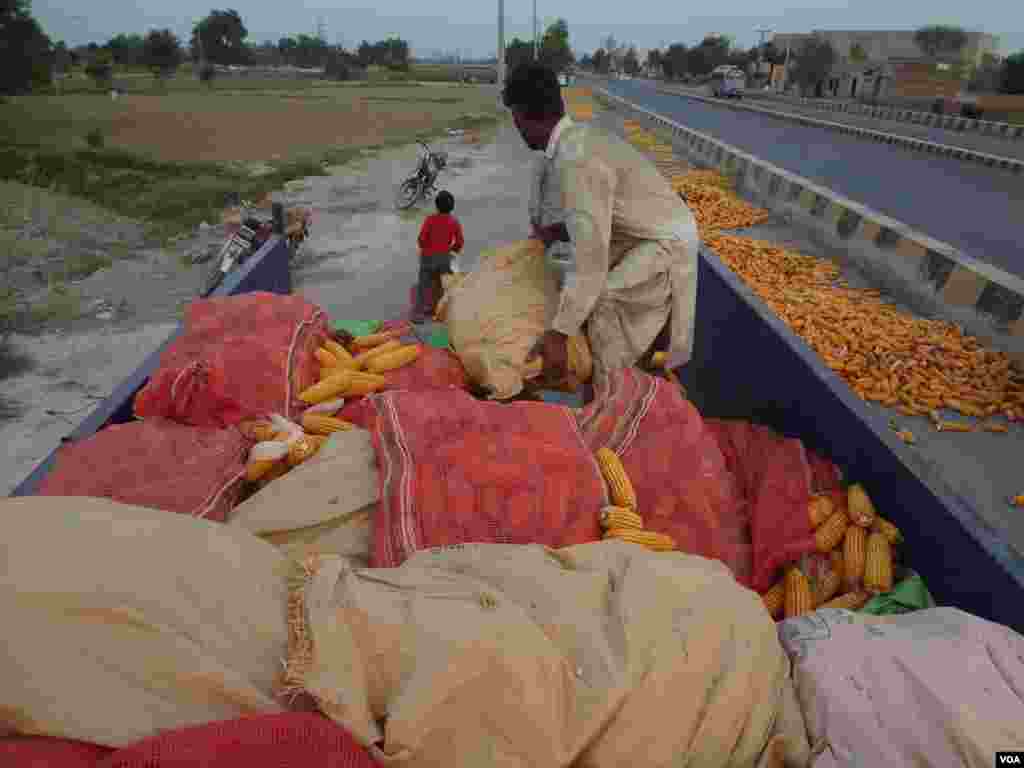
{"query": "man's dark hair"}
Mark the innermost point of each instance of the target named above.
(533, 88)
(445, 202)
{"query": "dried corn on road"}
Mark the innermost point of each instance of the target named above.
(975, 209)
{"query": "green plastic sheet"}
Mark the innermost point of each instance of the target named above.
(911, 594)
(438, 337)
(357, 327)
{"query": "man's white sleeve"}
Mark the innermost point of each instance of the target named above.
(587, 200)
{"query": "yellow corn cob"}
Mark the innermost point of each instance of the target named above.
(300, 450)
(254, 470)
(328, 388)
(279, 469)
(621, 517)
(258, 431)
(878, 565)
(341, 354)
(859, 507)
(325, 358)
(798, 593)
(854, 553)
(319, 424)
(851, 601)
(836, 556)
(830, 533)
(774, 599)
(360, 387)
(658, 542)
(372, 378)
(826, 589)
(395, 359)
(364, 357)
(819, 509)
(887, 529)
(619, 485)
(375, 339)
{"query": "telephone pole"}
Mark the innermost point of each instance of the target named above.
(535, 30)
(760, 48)
(501, 49)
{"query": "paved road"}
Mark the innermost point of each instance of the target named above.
(976, 209)
(968, 140)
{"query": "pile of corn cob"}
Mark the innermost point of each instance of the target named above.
(886, 356)
(855, 559)
(344, 373)
(579, 103)
(622, 521)
(915, 365)
(662, 154)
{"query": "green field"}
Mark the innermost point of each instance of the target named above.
(170, 153)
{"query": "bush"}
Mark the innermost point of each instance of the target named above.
(100, 69)
(95, 139)
(207, 73)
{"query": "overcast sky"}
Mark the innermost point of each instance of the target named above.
(470, 25)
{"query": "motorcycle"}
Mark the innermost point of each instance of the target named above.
(423, 182)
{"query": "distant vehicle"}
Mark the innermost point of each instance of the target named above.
(728, 82)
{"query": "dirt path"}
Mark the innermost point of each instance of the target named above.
(359, 262)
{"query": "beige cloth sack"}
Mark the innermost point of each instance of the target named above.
(121, 621)
(496, 313)
(603, 654)
(325, 505)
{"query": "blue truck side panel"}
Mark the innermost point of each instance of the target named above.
(748, 365)
(266, 270)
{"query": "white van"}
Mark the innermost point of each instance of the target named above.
(728, 82)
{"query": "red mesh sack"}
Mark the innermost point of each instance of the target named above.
(288, 740)
(456, 470)
(155, 463)
(776, 478)
(683, 486)
(238, 357)
(433, 369)
(46, 752)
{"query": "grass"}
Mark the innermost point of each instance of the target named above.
(136, 81)
(171, 159)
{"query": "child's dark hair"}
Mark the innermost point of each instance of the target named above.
(445, 202)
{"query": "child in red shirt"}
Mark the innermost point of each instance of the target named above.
(440, 237)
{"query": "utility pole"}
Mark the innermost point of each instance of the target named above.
(760, 51)
(535, 58)
(501, 50)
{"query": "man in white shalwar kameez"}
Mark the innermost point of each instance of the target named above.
(623, 243)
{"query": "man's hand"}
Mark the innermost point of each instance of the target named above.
(554, 233)
(552, 348)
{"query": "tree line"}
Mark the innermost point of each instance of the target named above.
(809, 63)
(553, 48)
(29, 59)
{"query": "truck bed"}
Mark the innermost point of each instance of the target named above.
(748, 365)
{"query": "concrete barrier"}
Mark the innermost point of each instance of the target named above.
(908, 142)
(949, 122)
(930, 276)
(268, 269)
